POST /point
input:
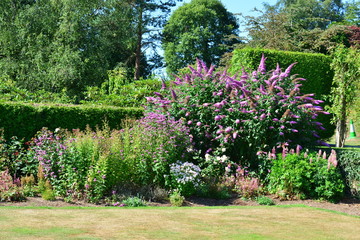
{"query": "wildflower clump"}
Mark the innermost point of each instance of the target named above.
(244, 113)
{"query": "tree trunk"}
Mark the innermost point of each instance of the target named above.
(340, 133)
(341, 126)
(138, 47)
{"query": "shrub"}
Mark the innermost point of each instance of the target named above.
(306, 175)
(248, 187)
(350, 164)
(243, 114)
(170, 142)
(134, 202)
(176, 199)
(263, 200)
(184, 177)
(312, 66)
(10, 190)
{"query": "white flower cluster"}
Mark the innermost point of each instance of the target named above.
(221, 159)
(185, 172)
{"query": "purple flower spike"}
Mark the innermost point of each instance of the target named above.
(159, 95)
(262, 67)
(277, 71)
(235, 134)
(228, 129)
(288, 70)
(163, 85)
(217, 118)
(173, 94)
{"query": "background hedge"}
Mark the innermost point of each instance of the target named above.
(315, 68)
(24, 119)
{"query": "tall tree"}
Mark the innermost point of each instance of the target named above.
(198, 30)
(60, 44)
(150, 16)
(296, 25)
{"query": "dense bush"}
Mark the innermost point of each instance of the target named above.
(297, 175)
(24, 120)
(88, 164)
(349, 161)
(242, 114)
(10, 188)
(313, 67)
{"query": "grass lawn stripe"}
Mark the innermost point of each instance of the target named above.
(295, 222)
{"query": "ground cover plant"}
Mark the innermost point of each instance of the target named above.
(297, 222)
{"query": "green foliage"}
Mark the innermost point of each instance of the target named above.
(315, 68)
(263, 200)
(10, 92)
(213, 190)
(48, 195)
(298, 25)
(55, 45)
(134, 202)
(176, 199)
(88, 164)
(197, 30)
(10, 189)
(120, 94)
(24, 120)
(28, 184)
(302, 176)
(346, 66)
(350, 164)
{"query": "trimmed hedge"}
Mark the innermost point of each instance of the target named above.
(24, 119)
(315, 68)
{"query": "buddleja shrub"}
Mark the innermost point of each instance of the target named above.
(245, 114)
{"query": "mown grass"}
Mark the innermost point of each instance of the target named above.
(277, 222)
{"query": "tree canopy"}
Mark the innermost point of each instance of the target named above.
(198, 30)
(62, 44)
(304, 25)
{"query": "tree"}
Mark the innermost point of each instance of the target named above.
(148, 22)
(352, 13)
(198, 30)
(55, 45)
(346, 66)
(296, 25)
(270, 29)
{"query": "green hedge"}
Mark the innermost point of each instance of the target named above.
(349, 160)
(24, 120)
(313, 67)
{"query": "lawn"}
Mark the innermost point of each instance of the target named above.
(277, 222)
